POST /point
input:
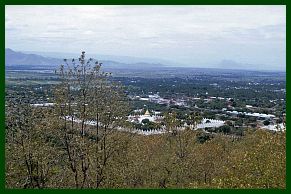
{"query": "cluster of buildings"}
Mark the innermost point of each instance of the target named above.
(156, 116)
(42, 104)
(258, 115)
(155, 98)
(205, 123)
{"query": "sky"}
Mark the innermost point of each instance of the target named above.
(190, 35)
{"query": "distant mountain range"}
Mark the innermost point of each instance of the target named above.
(117, 62)
(117, 58)
(20, 58)
(230, 64)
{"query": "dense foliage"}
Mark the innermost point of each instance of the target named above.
(189, 159)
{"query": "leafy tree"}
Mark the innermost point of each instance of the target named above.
(194, 119)
(266, 122)
(224, 129)
(31, 161)
(145, 121)
(85, 94)
(203, 137)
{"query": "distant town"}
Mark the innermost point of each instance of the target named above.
(231, 101)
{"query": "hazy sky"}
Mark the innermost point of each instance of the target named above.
(186, 34)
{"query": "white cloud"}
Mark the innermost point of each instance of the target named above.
(173, 32)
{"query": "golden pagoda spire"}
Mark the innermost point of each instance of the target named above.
(147, 113)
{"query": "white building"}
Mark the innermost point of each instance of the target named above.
(208, 123)
(147, 115)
